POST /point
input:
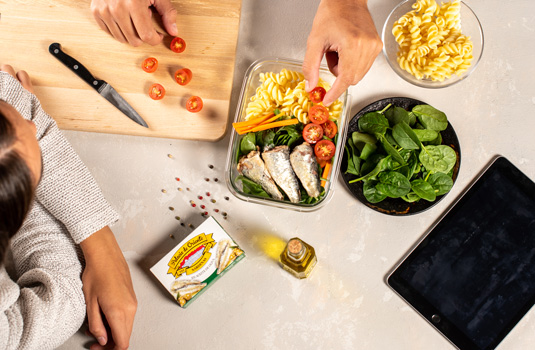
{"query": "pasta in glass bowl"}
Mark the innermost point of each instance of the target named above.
(431, 44)
(269, 140)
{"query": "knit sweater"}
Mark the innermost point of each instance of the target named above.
(41, 298)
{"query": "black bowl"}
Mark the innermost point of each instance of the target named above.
(396, 206)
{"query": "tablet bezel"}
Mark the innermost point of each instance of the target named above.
(449, 330)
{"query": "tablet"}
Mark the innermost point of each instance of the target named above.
(473, 275)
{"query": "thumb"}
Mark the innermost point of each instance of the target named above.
(168, 13)
(311, 64)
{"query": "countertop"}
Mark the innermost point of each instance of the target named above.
(345, 303)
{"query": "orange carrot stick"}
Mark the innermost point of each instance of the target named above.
(254, 121)
(326, 172)
(275, 124)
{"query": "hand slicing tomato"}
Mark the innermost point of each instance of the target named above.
(318, 114)
(324, 150)
(194, 104)
(178, 45)
(183, 76)
(150, 65)
(329, 129)
(156, 92)
(312, 133)
(317, 94)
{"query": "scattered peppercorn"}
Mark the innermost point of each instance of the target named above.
(170, 155)
(202, 206)
(177, 217)
(164, 191)
(206, 179)
(211, 166)
(208, 194)
(177, 178)
(226, 198)
(224, 213)
(216, 179)
(213, 200)
(200, 197)
(171, 208)
(182, 224)
(216, 210)
(171, 236)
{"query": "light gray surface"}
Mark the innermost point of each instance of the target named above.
(345, 303)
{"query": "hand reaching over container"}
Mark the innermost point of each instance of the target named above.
(344, 32)
(131, 20)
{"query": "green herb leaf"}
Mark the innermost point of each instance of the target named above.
(438, 158)
(372, 194)
(251, 187)
(373, 123)
(248, 143)
(393, 184)
(405, 136)
(441, 183)
(424, 190)
(430, 117)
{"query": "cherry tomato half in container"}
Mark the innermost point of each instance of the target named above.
(194, 104)
(318, 114)
(317, 94)
(150, 65)
(329, 129)
(156, 92)
(324, 150)
(312, 133)
(183, 76)
(178, 45)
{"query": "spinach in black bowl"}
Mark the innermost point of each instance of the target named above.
(401, 156)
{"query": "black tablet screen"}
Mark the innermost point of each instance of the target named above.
(477, 266)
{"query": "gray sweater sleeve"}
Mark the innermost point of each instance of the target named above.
(42, 302)
(67, 189)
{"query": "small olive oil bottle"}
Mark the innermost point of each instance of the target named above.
(298, 258)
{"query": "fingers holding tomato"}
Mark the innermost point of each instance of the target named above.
(317, 94)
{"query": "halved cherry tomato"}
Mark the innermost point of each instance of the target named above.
(183, 76)
(178, 45)
(194, 104)
(156, 92)
(318, 114)
(324, 150)
(329, 129)
(150, 65)
(317, 94)
(312, 133)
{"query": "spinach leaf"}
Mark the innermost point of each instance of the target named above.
(248, 143)
(411, 197)
(405, 136)
(266, 139)
(373, 123)
(441, 183)
(353, 160)
(438, 158)
(393, 184)
(396, 115)
(424, 190)
(431, 117)
(437, 141)
(425, 134)
(287, 135)
(371, 193)
(251, 187)
(391, 150)
(383, 164)
(367, 151)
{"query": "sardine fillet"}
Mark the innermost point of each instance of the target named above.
(278, 164)
(252, 167)
(305, 166)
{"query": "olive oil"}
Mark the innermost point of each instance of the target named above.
(298, 258)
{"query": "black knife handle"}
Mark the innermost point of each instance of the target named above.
(75, 66)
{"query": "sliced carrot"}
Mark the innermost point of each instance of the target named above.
(275, 124)
(254, 121)
(326, 172)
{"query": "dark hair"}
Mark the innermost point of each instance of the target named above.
(16, 186)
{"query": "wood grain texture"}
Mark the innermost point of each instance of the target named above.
(209, 27)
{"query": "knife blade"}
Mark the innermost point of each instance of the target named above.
(103, 88)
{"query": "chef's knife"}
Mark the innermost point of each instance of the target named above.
(103, 88)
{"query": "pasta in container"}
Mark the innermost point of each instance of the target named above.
(431, 44)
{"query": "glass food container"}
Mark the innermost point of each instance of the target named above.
(250, 83)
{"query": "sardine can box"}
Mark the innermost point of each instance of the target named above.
(199, 260)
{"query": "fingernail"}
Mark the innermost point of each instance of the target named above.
(306, 85)
(101, 340)
(175, 29)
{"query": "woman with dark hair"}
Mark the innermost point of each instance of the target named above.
(58, 256)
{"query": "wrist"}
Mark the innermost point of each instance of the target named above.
(99, 244)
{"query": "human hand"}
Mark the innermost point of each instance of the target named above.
(130, 20)
(344, 31)
(108, 291)
(21, 76)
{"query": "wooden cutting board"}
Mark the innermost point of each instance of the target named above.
(209, 27)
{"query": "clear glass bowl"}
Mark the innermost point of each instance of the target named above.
(250, 83)
(470, 27)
